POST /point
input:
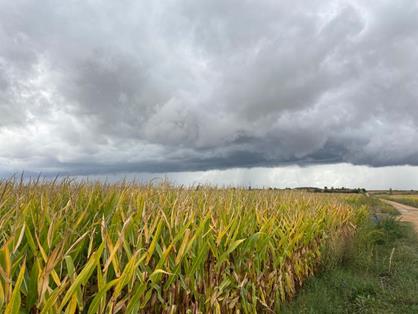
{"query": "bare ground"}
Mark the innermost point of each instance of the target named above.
(408, 213)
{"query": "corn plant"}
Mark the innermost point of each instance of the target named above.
(71, 247)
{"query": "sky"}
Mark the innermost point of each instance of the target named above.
(269, 93)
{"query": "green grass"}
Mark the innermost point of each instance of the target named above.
(377, 274)
(406, 199)
(375, 206)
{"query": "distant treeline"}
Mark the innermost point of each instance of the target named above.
(318, 190)
(303, 188)
(332, 190)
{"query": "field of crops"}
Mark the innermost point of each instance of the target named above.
(96, 248)
(407, 199)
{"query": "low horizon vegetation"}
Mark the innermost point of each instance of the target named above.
(406, 199)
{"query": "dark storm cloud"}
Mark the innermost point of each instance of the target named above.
(95, 87)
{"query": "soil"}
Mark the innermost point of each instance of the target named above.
(408, 213)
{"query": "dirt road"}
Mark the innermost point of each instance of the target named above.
(408, 213)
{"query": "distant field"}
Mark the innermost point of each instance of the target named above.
(81, 247)
(393, 192)
(407, 199)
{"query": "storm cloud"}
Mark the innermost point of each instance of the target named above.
(95, 87)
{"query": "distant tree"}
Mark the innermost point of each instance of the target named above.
(390, 191)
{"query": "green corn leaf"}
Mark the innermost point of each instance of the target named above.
(15, 301)
(83, 276)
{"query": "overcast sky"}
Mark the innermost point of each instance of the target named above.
(281, 92)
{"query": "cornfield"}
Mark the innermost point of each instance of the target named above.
(71, 247)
